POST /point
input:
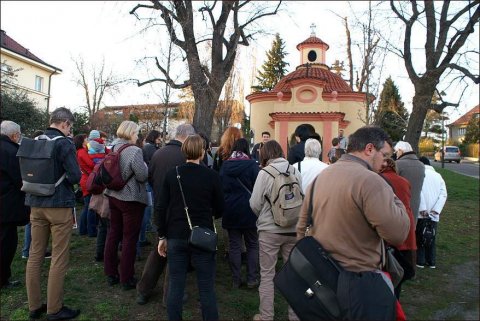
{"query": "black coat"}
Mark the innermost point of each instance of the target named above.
(12, 199)
(296, 153)
(238, 214)
(162, 161)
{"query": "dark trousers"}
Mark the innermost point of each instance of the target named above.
(236, 237)
(8, 246)
(103, 226)
(125, 221)
(406, 258)
(152, 270)
(426, 253)
(179, 256)
(88, 219)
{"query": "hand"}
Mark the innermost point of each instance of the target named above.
(162, 247)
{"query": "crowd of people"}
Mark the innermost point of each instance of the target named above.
(371, 193)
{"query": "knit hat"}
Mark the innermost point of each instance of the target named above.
(94, 134)
(404, 146)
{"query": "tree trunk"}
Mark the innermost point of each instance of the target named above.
(422, 102)
(205, 105)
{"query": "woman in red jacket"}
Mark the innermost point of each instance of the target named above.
(405, 253)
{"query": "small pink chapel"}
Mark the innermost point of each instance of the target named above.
(311, 94)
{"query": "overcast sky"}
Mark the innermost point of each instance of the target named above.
(56, 31)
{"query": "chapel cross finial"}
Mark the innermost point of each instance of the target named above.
(312, 29)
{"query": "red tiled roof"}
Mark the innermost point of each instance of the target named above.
(10, 44)
(466, 117)
(333, 82)
(312, 40)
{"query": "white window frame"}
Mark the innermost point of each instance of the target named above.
(39, 83)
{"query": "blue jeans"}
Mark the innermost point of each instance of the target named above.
(88, 219)
(27, 240)
(147, 215)
(179, 254)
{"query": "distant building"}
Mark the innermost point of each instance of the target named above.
(32, 74)
(149, 116)
(311, 94)
(458, 128)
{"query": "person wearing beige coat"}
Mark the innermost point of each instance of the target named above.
(353, 207)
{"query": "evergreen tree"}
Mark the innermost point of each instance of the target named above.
(274, 68)
(392, 115)
(472, 134)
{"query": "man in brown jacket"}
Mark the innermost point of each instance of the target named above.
(353, 207)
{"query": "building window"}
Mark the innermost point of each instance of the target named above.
(462, 131)
(312, 56)
(38, 83)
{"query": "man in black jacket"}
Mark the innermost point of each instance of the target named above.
(13, 211)
(52, 215)
(162, 160)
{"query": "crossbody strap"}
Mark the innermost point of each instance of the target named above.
(310, 209)
(183, 197)
(185, 203)
(243, 185)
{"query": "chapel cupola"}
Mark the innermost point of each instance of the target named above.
(313, 49)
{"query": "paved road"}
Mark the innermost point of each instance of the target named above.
(465, 167)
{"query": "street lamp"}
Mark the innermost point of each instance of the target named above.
(443, 117)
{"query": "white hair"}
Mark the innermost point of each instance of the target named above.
(312, 148)
(9, 128)
(183, 131)
(404, 146)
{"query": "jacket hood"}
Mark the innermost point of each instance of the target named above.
(236, 167)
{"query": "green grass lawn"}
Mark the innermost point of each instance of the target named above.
(449, 292)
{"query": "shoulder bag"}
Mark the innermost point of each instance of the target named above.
(202, 238)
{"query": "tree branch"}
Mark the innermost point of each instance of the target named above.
(465, 71)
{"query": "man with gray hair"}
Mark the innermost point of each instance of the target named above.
(162, 160)
(13, 211)
(411, 168)
(311, 165)
(52, 215)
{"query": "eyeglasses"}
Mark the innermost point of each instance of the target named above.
(385, 155)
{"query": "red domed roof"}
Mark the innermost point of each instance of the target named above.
(333, 82)
(312, 40)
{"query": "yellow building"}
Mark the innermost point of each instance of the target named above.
(311, 94)
(32, 73)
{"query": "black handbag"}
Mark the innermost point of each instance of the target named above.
(202, 238)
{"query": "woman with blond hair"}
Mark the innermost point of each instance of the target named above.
(197, 189)
(126, 208)
(224, 151)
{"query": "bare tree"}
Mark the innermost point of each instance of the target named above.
(372, 55)
(230, 26)
(446, 53)
(95, 82)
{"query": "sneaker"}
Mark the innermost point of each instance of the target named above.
(48, 255)
(253, 285)
(112, 280)
(24, 256)
(257, 317)
(420, 266)
(130, 284)
(142, 299)
(64, 314)
(37, 314)
(433, 267)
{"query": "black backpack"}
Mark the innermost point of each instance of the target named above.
(428, 233)
(37, 165)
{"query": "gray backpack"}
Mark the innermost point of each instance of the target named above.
(37, 165)
(287, 196)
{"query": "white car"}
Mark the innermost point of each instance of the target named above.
(452, 154)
